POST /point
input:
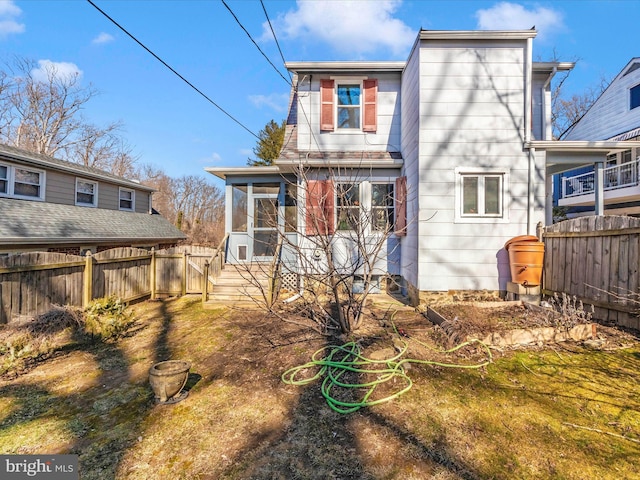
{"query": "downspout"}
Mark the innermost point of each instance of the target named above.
(527, 133)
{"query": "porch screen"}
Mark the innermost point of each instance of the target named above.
(239, 208)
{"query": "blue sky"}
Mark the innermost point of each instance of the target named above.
(173, 127)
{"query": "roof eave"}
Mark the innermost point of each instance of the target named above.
(328, 67)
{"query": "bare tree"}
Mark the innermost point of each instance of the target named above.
(342, 255)
(41, 111)
(189, 202)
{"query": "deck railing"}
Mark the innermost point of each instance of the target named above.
(618, 176)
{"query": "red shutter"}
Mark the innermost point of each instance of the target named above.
(320, 205)
(401, 206)
(370, 122)
(326, 105)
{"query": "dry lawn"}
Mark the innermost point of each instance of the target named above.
(569, 411)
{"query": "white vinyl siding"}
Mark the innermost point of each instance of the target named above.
(472, 116)
(387, 134)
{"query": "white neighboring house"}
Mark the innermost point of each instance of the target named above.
(458, 136)
(614, 116)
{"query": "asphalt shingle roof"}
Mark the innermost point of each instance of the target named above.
(31, 222)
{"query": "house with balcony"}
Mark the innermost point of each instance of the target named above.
(614, 116)
(437, 161)
(52, 205)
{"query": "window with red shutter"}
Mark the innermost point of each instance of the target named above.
(326, 105)
(370, 117)
(320, 206)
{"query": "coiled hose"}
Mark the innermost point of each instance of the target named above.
(341, 359)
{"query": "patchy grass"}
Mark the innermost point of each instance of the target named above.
(566, 412)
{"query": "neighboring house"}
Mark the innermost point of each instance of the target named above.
(451, 147)
(614, 116)
(57, 206)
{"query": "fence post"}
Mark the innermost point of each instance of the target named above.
(205, 282)
(539, 231)
(152, 273)
(87, 288)
(185, 256)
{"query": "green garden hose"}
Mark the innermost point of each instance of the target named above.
(342, 359)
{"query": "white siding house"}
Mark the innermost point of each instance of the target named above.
(614, 116)
(460, 133)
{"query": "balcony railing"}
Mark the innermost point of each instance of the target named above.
(618, 176)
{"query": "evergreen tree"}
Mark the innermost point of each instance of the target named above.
(268, 147)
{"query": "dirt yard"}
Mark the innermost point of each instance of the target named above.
(562, 411)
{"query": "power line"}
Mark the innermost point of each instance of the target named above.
(264, 9)
(254, 42)
(173, 70)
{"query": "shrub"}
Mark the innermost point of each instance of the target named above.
(107, 318)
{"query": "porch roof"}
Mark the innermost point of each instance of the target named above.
(223, 172)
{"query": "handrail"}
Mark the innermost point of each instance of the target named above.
(615, 177)
(214, 265)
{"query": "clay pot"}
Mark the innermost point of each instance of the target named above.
(168, 378)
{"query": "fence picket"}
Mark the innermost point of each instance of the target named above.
(31, 283)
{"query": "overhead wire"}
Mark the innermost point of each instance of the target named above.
(205, 96)
(254, 42)
(284, 62)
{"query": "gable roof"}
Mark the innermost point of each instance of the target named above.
(30, 222)
(9, 153)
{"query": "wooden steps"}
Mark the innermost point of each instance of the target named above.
(243, 285)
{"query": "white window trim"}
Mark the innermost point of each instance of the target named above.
(342, 80)
(503, 217)
(365, 188)
(133, 199)
(95, 194)
(11, 181)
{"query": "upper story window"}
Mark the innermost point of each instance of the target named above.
(127, 199)
(21, 182)
(348, 96)
(634, 97)
(86, 193)
(348, 104)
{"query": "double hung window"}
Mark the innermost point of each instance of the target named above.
(86, 193)
(348, 206)
(127, 199)
(21, 182)
(348, 96)
(382, 208)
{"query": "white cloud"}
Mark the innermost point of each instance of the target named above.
(508, 16)
(63, 71)
(278, 102)
(351, 27)
(8, 24)
(103, 38)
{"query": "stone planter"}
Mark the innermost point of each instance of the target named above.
(167, 380)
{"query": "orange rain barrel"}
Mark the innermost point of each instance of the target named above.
(526, 258)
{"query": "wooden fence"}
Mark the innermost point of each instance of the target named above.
(31, 283)
(596, 259)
